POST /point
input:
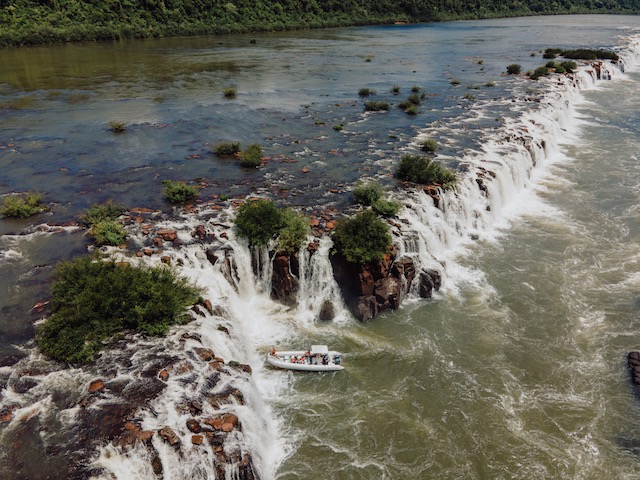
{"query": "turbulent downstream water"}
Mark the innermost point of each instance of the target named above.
(515, 370)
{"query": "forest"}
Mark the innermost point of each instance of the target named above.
(24, 22)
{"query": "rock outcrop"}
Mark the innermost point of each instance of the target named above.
(284, 280)
(371, 288)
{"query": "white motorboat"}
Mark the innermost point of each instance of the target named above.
(318, 359)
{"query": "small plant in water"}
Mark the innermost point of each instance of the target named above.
(454, 81)
(395, 89)
(22, 205)
(230, 92)
(429, 145)
(415, 89)
(252, 156)
(338, 127)
(514, 69)
(117, 127)
(179, 192)
(365, 92)
(375, 106)
(226, 149)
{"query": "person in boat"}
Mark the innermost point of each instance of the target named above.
(273, 352)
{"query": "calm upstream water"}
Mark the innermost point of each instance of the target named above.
(515, 370)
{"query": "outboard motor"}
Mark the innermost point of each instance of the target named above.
(336, 359)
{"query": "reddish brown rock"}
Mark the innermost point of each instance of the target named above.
(205, 354)
(193, 425)
(284, 285)
(164, 375)
(229, 422)
(214, 422)
(40, 306)
(169, 436)
(207, 305)
(158, 242)
(167, 235)
(166, 259)
(96, 386)
(197, 439)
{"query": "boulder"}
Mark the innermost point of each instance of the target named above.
(193, 425)
(169, 436)
(96, 386)
(284, 286)
(430, 280)
(197, 439)
(205, 354)
(163, 375)
(327, 311)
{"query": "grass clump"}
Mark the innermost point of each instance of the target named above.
(375, 106)
(365, 92)
(514, 69)
(539, 72)
(429, 145)
(414, 99)
(226, 149)
(102, 211)
(372, 194)
(411, 110)
(92, 301)
(230, 92)
(22, 205)
(252, 156)
(108, 232)
(590, 54)
(395, 89)
(362, 238)
(424, 170)
(338, 127)
(117, 127)
(179, 192)
(367, 193)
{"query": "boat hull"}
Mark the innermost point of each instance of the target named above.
(280, 361)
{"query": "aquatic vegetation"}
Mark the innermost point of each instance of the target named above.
(375, 106)
(429, 145)
(22, 205)
(395, 89)
(590, 54)
(539, 72)
(415, 89)
(426, 171)
(179, 192)
(252, 156)
(411, 110)
(454, 81)
(372, 194)
(365, 92)
(414, 99)
(338, 127)
(100, 212)
(117, 127)
(514, 69)
(92, 300)
(225, 149)
(108, 232)
(362, 238)
(230, 92)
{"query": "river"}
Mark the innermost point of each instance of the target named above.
(516, 369)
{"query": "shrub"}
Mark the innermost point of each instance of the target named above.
(395, 89)
(569, 66)
(365, 92)
(429, 145)
(252, 156)
(415, 89)
(559, 69)
(362, 238)
(514, 69)
(22, 205)
(92, 301)
(386, 208)
(590, 54)
(294, 232)
(338, 127)
(375, 106)
(367, 193)
(411, 110)
(490, 84)
(550, 64)
(414, 99)
(424, 170)
(454, 81)
(179, 192)
(405, 104)
(538, 72)
(225, 149)
(102, 211)
(259, 221)
(117, 127)
(230, 92)
(108, 232)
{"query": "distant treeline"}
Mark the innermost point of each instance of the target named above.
(47, 21)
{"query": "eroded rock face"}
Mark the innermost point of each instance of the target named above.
(284, 285)
(372, 288)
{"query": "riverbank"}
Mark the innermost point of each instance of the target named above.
(28, 22)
